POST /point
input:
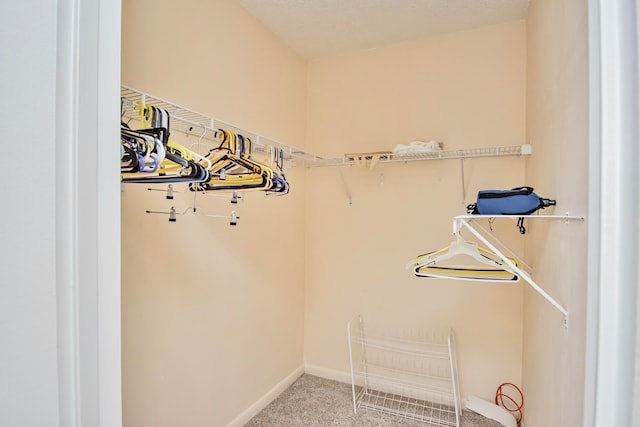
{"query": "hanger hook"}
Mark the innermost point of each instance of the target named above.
(204, 132)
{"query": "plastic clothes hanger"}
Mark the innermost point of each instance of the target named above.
(159, 159)
(148, 147)
(179, 165)
(128, 159)
(151, 151)
(148, 150)
(187, 154)
(152, 117)
(280, 182)
(193, 173)
(488, 266)
(176, 163)
(174, 156)
(232, 169)
(246, 152)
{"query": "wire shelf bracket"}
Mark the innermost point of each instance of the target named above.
(464, 221)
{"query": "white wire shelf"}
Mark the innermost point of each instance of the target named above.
(200, 125)
(389, 157)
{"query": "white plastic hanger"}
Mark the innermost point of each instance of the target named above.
(433, 264)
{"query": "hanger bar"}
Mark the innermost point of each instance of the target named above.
(191, 122)
(463, 221)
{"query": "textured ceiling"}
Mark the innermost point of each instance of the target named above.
(317, 28)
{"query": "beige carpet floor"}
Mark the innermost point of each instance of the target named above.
(317, 402)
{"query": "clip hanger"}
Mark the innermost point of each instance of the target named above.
(172, 213)
(170, 190)
(233, 218)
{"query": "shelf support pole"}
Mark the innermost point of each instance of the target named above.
(464, 222)
(464, 196)
(346, 187)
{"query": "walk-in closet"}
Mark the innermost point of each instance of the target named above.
(298, 232)
(226, 304)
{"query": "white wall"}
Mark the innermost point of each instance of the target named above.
(466, 89)
(28, 315)
(212, 314)
(612, 380)
(558, 128)
(28, 360)
(60, 308)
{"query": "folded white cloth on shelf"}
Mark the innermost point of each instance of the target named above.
(417, 147)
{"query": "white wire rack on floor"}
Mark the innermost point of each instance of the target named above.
(410, 376)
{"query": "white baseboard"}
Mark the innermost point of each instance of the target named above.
(269, 397)
(330, 374)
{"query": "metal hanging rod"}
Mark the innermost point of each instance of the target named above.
(464, 221)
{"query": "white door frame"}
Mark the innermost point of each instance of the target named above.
(88, 213)
(611, 377)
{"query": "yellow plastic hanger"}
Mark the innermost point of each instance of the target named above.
(488, 266)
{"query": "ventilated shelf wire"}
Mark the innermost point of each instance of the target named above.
(191, 122)
(197, 124)
(182, 119)
(468, 153)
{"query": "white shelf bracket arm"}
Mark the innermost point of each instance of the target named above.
(346, 187)
(464, 195)
(459, 222)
